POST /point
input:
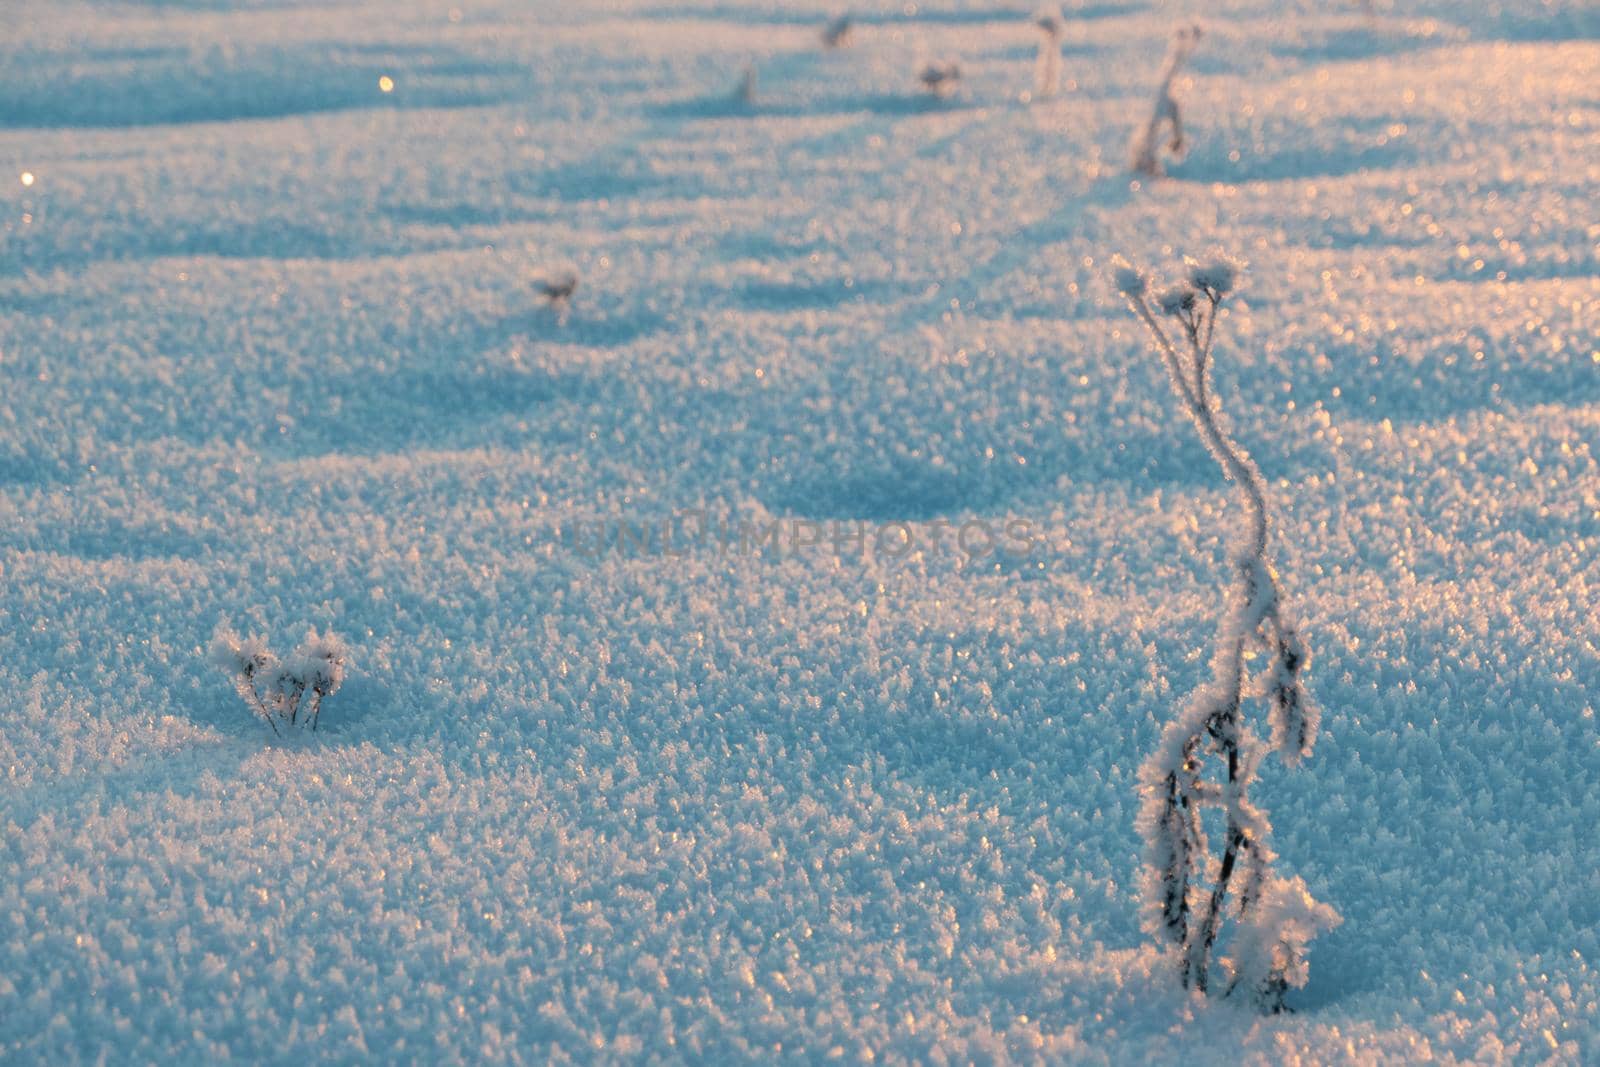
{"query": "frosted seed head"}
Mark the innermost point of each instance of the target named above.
(1048, 20)
(286, 678)
(1176, 299)
(248, 655)
(321, 662)
(1129, 280)
(256, 654)
(1216, 273)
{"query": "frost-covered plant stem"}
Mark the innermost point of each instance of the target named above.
(837, 34)
(1178, 859)
(1047, 64)
(245, 683)
(1143, 157)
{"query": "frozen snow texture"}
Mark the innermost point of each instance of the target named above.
(1186, 888)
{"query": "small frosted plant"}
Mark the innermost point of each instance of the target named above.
(1208, 755)
(942, 77)
(838, 33)
(287, 693)
(558, 290)
(1144, 152)
(1047, 65)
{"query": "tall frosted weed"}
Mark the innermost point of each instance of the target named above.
(1208, 755)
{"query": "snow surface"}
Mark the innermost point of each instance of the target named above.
(272, 354)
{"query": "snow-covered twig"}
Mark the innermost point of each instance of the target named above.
(1275, 917)
(1143, 153)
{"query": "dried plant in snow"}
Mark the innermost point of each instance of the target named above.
(558, 290)
(1208, 755)
(941, 77)
(1143, 153)
(1047, 65)
(290, 692)
(838, 33)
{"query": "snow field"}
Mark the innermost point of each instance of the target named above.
(271, 354)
